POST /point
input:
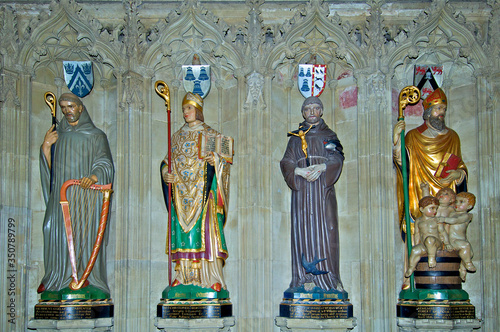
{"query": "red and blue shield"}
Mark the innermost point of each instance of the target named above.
(311, 80)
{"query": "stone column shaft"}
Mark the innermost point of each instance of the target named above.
(375, 190)
(15, 198)
(487, 198)
(133, 205)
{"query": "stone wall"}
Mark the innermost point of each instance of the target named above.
(254, 48)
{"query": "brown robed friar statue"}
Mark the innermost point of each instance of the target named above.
(312, 178)
(311, 166)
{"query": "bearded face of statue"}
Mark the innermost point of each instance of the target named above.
(436, 117)
(71, 111)
(312, 113)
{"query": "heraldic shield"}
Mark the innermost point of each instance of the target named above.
(79, 77)
(311, 80)
(196, 79)
(427, 78)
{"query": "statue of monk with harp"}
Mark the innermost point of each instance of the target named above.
(76, 170)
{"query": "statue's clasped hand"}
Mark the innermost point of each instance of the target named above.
(311, 173)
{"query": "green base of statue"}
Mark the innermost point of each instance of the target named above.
(434, 294)
(86, 293)
(193, 292)
(191, 302)
(438, 292)
(86, 303)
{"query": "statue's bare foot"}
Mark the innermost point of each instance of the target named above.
(432, 261)
(470, 267)
(309, 286)
(463, 274)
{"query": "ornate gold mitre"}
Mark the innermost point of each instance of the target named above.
(193, 99)
(437, 97)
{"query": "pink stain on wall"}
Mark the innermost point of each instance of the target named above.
(345, 74)
(415, 110)
(349, 97)
(395, 96)
(410, 110)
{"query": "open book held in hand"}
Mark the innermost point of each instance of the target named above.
(219, 143)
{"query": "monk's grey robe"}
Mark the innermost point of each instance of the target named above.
(80, 151)
(314, 207)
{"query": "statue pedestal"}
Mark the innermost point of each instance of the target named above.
(74, 325)
(315, 309)
(303, 325)
(438, 302)
(60, 310)
(438, 325)
(194, 308)
(436, 309)
(87, 303)
(193, 302)
(86, 309)
(315, 303)
(201, 325)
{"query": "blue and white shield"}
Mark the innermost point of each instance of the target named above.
(311, 80)
(79, 77)
(196, 79)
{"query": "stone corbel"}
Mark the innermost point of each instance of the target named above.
(255, 84)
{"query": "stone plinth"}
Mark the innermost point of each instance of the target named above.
(304, 325)
(438, 325)
(74, 309)
(436, 309)
(199, 325)
(74, 325)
